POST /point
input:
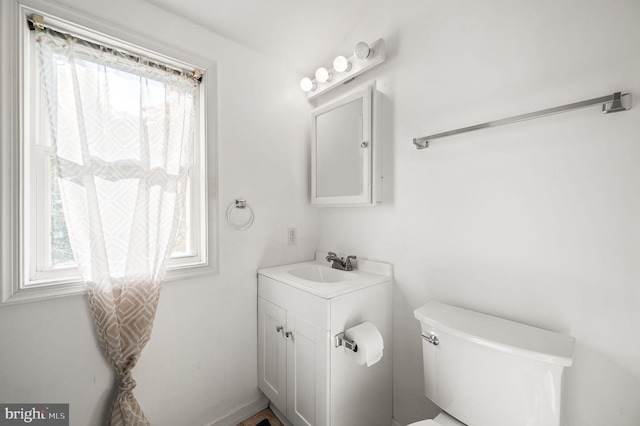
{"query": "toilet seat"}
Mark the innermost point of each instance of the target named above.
(425, 423)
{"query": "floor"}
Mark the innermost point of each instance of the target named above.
(264, 414)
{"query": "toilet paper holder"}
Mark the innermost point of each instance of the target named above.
(341, 340)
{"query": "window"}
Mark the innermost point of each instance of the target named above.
(47, 267)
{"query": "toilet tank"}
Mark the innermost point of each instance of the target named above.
(489, 371)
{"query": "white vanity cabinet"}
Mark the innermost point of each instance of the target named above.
(304, 375)
(292, 353)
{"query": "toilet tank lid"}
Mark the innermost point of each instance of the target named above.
(498, 333)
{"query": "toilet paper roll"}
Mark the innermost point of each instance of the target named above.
(369, 341)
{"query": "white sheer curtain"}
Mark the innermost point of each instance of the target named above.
(122, 131)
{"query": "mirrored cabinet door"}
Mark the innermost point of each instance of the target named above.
(342, 151)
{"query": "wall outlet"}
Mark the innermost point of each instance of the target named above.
(292, 236)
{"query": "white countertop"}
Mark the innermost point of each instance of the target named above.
(367, 273)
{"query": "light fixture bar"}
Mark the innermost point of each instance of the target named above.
(358, 66)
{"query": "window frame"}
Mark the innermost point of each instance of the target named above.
(20, 281)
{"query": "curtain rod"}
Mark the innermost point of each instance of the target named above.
(614, 100)
(37, 22)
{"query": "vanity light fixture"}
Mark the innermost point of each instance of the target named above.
(362, 50)
(323, 75)
(307, 85)
(341, 64)
(365, 56)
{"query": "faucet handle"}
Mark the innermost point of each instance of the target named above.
(349, 265)
(330, 255)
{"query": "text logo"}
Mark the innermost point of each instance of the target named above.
(34, 414)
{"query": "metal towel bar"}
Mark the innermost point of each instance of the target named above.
(611, 103)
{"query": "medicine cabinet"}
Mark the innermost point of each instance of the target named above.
(343, 151)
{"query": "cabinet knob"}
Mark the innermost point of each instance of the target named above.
(279, 328)
(288, 333)
(364, 144)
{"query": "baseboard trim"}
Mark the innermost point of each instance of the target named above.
(394, 422)
(242, 413)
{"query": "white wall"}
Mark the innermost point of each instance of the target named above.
(200, 364)
(538, 222)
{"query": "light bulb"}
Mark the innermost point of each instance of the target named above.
(322, 75)
(307, 85)
(341, 64)
(362, 50)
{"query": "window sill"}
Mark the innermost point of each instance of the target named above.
(74, 286)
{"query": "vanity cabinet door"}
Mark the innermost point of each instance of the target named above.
(293, 352)
(307, 371)
(272, 353)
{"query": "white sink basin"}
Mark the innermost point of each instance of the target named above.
(319, 278)
(321, 274)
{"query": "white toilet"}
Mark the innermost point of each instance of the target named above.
(487, 371)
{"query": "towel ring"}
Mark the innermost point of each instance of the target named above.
(242, 205)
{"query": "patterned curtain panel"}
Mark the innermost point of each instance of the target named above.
(122, 132)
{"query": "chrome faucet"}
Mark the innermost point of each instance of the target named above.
(340, 263)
